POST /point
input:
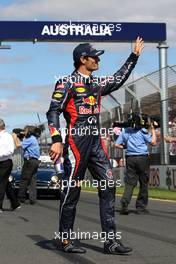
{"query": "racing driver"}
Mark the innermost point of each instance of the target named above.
(78, 97)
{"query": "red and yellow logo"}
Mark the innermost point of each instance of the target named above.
(53, 131)
(90, 100)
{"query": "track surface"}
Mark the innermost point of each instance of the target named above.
(26, 235)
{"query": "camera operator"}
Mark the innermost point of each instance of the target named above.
(31, 150)
(135, 141)
(6, 151)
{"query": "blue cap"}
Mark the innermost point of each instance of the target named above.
(85, 49)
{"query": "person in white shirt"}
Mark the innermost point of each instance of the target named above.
(6, 152)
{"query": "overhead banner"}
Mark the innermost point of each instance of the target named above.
(80, 31)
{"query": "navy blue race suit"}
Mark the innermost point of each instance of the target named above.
(79, 99)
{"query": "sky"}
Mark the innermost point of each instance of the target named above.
(28, 71)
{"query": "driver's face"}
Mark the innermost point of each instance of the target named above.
(91, 63)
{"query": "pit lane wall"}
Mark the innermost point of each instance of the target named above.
(161, 176)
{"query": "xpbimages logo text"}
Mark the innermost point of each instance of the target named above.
(96, 80)
(81, 29)
(87, 130)
(84, 235)
(86, 184)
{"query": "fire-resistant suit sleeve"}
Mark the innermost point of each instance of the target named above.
(114, 82)
(57, 105)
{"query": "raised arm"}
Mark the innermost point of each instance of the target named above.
(119, 78)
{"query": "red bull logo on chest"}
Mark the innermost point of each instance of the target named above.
(91, 100)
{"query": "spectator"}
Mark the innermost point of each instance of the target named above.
(6, 151)
(31, 150)
(135, 141)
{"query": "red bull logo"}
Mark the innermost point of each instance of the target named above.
(84, 111)
(90, 100)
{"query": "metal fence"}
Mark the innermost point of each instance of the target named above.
(147, 98)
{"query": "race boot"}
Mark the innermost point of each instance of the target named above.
(115, 247)
(124, 209)
(70, 247)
